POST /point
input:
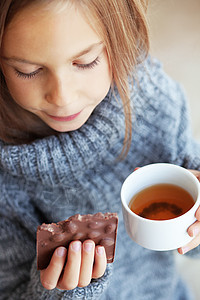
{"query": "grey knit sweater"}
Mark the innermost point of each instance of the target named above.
(78, 172)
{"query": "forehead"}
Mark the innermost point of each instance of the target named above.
(36, 29)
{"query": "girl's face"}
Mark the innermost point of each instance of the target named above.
(55, 66)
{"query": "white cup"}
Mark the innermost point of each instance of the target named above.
(160, 235)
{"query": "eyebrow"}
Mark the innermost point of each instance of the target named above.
(78, 55)
(87, 50)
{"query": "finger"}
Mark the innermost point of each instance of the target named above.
(193, 231)
(195, 173)
(197, 215)
(70, 277)
(100, 262)
(191, 245)
(86, 263)
(50, 276)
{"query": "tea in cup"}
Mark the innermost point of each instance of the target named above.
(161, 201)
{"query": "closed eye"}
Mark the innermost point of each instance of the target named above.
(27, 75)
(87, 66)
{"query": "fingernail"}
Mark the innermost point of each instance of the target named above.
(61, 251)
(184, 250)
(100, 250)
(191, 233)
(88, 247)
(195, 232)
(76, 246)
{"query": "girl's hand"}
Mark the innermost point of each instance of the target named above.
(84, 262)
(194, 229)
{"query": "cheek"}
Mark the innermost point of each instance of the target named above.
(21, 93)
(99, 83)
(15, 89)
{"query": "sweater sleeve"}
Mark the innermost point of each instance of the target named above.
(34, 290)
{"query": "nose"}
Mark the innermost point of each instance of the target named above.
(59, 91)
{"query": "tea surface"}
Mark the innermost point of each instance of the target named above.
(161, 202)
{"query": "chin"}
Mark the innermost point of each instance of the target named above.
(66, 128)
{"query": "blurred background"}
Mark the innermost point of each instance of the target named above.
(175, 41)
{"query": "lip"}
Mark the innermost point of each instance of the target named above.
(64, 118)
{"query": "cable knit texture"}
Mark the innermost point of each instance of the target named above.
(78, 172)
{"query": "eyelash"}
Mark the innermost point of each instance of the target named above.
(27, 76)
(88, 66)
(79, 66)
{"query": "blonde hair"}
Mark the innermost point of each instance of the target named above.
(122, 26)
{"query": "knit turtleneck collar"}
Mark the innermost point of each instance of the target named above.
(57, 159)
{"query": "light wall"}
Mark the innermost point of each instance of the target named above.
(175, 40)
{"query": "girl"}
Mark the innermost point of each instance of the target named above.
(75, 80)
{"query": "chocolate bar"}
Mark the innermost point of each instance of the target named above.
(101, 228)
